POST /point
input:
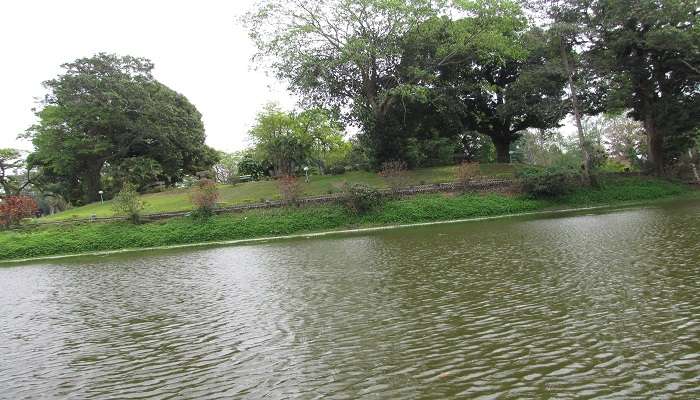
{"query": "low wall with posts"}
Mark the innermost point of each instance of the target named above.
(480, 185)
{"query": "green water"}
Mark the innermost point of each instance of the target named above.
(584, 306)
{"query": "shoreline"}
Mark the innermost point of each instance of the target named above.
(346, 231)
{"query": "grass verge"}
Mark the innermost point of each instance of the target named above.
(40, 241)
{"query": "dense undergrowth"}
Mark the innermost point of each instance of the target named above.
(80, 238)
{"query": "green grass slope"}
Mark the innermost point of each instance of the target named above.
(37, 241)
(254, 192)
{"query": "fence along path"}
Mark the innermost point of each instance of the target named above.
(473, 185)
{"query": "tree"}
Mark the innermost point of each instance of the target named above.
(565, 29)
(226, 170)
(109, 111)
(485, 73)
(13, 209)
(289, 140)
(648, 52)
(11, 164)
(340, 54)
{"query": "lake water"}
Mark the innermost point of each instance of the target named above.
(585, 305)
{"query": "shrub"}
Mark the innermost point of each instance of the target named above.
(290, 189)
(128, 203)
(359, 198)
(337, 170)
(549, 182)
(395, 175)
(13, 209)
(204, 197)
(465, 172)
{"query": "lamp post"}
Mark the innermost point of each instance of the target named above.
(102, 200)
(306, 173)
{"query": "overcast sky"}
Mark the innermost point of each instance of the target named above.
(198, 49)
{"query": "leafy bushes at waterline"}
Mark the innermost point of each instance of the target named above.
(549, 182)
(360, 199)
(37, 241)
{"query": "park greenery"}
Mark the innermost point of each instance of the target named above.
(432, 91)
(366, 211)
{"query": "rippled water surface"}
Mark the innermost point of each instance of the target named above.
(575, 306)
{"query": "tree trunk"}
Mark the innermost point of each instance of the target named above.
(692, 165)
(92, 182)
(502, 150)
(656, 144)
(586, 154)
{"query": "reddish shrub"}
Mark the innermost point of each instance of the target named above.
(290, 188)
(204, 197)
(15, 208)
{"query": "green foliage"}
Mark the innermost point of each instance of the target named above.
(128, 203)
(615, 190)
(10, 163)
(79, 238)
(109, 111)
(647, 55)
(250, 165)
(360, 199)
(289, 140)
(549, 182)
(226, 170)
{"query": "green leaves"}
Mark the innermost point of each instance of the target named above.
(108, 110)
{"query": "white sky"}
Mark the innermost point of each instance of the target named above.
(198, 49)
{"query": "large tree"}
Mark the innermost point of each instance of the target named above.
(341, 54)
(486, 73)
(11, 166)
(109, 111)
(289, 140)
(648, 52)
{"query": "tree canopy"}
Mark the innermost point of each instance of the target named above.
(109, 111)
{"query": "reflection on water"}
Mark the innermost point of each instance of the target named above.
(587, 305)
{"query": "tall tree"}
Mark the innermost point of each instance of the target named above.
(289, 140)
(487, 73)
(564, 20)
(109, 111)
(648, 51)
(11, 163)
(340, 54)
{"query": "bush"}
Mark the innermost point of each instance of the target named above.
(360, 199)
(204, 197)
(395, 174)
(128, 203)
(290, 189)
(549, 182)
(337, 170)
(13, 209)
(465, 172)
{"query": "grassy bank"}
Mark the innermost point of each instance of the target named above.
(46, 241)
(254, 192)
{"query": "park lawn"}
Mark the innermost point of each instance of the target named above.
(255, 192)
